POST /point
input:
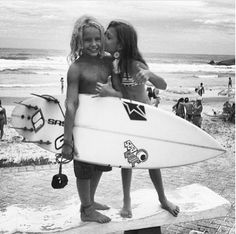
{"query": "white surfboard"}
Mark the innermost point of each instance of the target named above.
(115, 132)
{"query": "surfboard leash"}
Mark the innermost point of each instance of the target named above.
(61, 160)
(60, 180)
(27, 105)
(50, 99)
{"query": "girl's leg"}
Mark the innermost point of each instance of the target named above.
(88, 213)
(126, 182)
(155, 175)
(1, 129)
(93, 186)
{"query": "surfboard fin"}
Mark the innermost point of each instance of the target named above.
(46, 97)
(24, 129)
(41, 142)
(27, 105)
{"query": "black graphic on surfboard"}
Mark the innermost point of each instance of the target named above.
(59, 142)
(37, 120)
(133, 154)
(135, 111)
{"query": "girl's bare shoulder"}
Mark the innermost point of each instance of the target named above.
(74, 71)
(136, 65)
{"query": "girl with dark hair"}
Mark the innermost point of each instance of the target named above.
(130, 75)
(178, 108)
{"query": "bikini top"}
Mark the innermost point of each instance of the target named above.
(128, 81)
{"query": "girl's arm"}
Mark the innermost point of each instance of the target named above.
(143, 74)
(72, 102)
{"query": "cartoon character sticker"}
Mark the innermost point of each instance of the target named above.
(133, 154)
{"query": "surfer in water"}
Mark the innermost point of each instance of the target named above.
(3, 119)
(131, 75)
(88, 66)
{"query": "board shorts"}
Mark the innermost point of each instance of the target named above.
(84, 170)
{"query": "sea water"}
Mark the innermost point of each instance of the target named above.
(23, 71)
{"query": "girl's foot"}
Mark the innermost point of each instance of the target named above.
(98, 206)
(89, 214)
(169, 206)
(126, 211)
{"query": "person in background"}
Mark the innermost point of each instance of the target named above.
(62, 85)
(178, 108)
(227, 108)
(189, 109)
(197, 110)
(3, 119)
(232, 113)
(201, 90)
(230, 83)
(149, 92)
(156, 97)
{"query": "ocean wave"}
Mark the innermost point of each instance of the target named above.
(179, 91)
(17, 71)
(45, 63)
(25, 63)
(163, 67)
(206, 76)
(28, 85)
(44, 66)
(14, 58)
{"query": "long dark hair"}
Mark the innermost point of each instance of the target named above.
(128, 39)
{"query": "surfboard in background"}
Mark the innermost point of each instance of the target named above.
(115, 132)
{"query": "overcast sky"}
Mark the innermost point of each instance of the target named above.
(203, 26)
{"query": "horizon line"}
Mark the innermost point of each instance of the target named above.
(147, 52)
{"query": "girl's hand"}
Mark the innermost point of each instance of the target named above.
(67, 152)
(142, 76)
(104, 90)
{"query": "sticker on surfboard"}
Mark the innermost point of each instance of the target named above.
(37, 120)
(135, 111)
(133, 154)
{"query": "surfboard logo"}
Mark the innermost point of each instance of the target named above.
(133, 154)
(59, 142)
(37, 120)
(135, 111)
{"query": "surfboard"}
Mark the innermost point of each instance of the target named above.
(116, 132)
(195, 201)
(228, 91)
